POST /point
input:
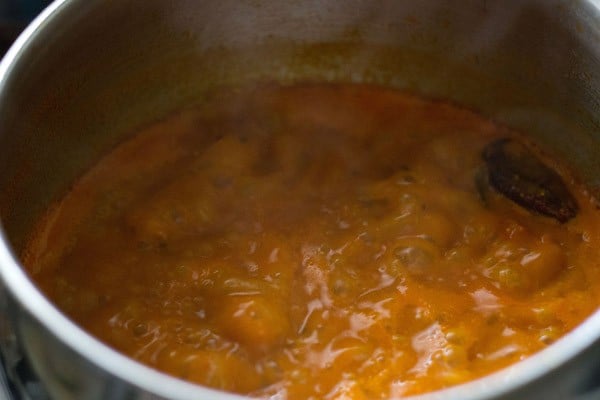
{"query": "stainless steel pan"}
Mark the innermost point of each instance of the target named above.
(87, 72)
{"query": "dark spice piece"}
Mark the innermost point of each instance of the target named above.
(518, 174)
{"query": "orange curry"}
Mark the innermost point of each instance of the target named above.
(316, 241)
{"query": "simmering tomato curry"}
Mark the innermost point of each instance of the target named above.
(322, 241)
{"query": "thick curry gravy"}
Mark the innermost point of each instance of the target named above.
(317, 241)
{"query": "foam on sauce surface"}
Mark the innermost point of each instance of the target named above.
(317, 241)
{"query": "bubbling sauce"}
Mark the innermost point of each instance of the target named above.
(316, 242)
